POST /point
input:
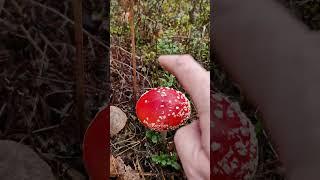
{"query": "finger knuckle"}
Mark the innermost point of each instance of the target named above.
(183, 63)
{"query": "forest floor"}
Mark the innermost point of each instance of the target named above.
(166, 27)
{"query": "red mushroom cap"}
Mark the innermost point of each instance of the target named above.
(163, 108)
(96, 145)
(233, 141)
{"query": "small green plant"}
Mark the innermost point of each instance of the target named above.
(166, 160)
(168, 80)
(153, 136)
(166, 44)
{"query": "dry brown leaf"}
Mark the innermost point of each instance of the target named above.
(113, 166)
(122, 171)
(118, 120)
(18, 161)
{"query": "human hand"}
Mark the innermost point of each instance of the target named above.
(193, 141)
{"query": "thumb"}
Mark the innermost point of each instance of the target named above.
(189, 148)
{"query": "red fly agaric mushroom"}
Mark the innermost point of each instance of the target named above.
(163, 108)
(95, 145)
(234, 151)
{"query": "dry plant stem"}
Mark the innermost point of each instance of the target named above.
(133, 52)
(79, 67)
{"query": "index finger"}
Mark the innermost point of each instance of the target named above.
(196, 81)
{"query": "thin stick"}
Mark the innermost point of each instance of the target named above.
(79, 66)
(32, 41)
(45, 129)
(128, 148)
(133, 52)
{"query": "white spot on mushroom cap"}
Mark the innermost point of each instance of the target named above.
(218, 113)
(218, 97)
(230, 113)
(226, 168)
(234, 163)
(245, 131)
(215, 146)
(212, 124)
(242, 150)
(215, 170)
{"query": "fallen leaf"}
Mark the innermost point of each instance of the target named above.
(121, 171)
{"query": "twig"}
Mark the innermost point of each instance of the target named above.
(132, 69)
(128, 148)
(2, 108)
(91, 48)
(11, 26)
(140, 169)
(45, 129)
(132, 143)
(125, 140)
(124, 50)
(49, 43)
(79, 67)
(34, 44)
(270, 145)
(33, 112)
(59, 92)
(133, 49)
(17, 7)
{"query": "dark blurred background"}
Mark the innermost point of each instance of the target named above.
(37, 77)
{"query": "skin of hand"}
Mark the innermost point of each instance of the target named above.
(192, 141)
